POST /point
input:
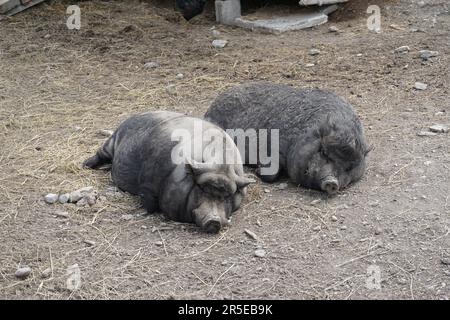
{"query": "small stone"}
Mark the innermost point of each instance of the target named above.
(333, 29)
(420, 86)
(159, 243)
(427, 54)
(427, 163)
(396, 27)
(378, 231)
(334, 218)
(219, 43)
(251, 234)
(343, 228)
(89, 243)
(82, 202)
(445, 261)
(64, 198)
(267, 190)
(171, 89)
(151, 65)
(359, 55)
(85, 190)
(62, 214)
(260, 253)
(426, 134)
(75, 196)
(127, 217)
(51, 198)
(374, 204)
(402, 49)
(309, 65)
(90, 199)
(23, 272)
(46, 273)
(216, 34)
(282, 186)
(314, 202)
(105, 132)
(439, 128)
(314, 52)
(180, 76)
(316, 228)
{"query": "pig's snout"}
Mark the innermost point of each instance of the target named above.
(210, 218)
(330, 185)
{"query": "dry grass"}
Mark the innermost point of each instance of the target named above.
(58, 88)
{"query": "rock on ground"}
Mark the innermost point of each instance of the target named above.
(23, 272)
(51, 198)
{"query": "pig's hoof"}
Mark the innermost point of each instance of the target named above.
(91, 162)
(212, 226)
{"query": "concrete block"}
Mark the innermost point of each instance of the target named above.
(287, 23)
(228, 11)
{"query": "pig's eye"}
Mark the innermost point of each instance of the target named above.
(350, 167)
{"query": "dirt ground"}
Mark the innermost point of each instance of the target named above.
(59, 87)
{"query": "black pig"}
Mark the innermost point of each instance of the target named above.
(195, 188)
(321, 140)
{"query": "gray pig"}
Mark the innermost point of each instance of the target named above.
(321, 140)
(163, 158)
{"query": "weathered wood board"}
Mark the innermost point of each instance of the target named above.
(11, 7)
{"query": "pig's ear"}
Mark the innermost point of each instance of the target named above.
(345, 150)
(243, 181)
(197, 168)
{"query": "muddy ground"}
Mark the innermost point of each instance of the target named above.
(59, 87)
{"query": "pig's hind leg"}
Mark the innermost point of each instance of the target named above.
(103, 156)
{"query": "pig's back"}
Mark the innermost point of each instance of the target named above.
(142, 151)
(265, 105)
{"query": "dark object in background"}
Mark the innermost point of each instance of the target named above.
(190, 8)
(321, 140)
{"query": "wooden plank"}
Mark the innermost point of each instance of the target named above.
(11, 7)
(319, 2)
(8, 5)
